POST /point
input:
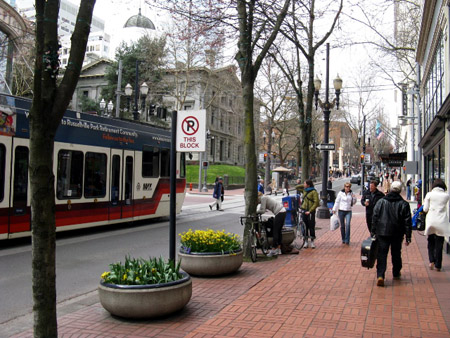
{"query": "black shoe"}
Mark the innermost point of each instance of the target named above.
(380, 281)
(210, 207)
(397, 277)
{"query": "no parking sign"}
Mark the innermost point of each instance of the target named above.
(191, 131)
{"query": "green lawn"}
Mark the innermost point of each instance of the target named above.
(236, 174)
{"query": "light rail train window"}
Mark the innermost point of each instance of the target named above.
(115, 179)
(20, 179)
(183, 165)
(2, 171)
(95, 175)
(150, 161)
(69, 174)
(165, 163)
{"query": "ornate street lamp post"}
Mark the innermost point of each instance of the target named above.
(322, 211)
(110, 108)
(144, 91)
(102, 107)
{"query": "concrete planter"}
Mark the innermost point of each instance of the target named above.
(287, 236)
(210, 264)
(146, 301)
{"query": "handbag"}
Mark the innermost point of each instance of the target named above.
(334, 222)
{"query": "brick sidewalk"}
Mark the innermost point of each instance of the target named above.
(319, 293)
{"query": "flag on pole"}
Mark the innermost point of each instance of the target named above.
(379, 133)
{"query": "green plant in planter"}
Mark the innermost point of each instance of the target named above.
(209, 241)
(138, 271)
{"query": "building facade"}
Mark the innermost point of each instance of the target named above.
(433, 58)
(90, 84)
(98, 45)
(434, 99)
(13, 30)
(219, 92)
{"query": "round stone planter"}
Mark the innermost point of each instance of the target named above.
(287, 236)
(210, 263)
(146, 301)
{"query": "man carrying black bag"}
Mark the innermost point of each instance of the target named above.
(390, 223)
(369, 200)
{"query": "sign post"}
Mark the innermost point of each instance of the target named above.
(173, 190)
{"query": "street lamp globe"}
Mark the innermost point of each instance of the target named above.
(144, 89)
(128, 90)
(110, 106)
(102, 106)
(317, 83)
(337, 83)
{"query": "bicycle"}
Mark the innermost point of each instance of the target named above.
(257, 236)
(300, 230)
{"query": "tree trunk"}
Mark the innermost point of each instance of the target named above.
(43, 232)
(50, 101)
(251, 189)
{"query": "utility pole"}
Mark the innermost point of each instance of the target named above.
(363, 166)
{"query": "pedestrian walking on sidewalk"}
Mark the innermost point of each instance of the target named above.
(269, 203)
(217, 194)
(390, 223)
(343, 205)
(369, 199)
(285, 187)
(310, 202)
(408, 189)
(261, 186)
(437, 226)
(419, 194)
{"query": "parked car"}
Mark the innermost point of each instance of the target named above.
(356, 179)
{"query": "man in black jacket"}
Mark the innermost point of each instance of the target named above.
(390, 223)
(369, 199)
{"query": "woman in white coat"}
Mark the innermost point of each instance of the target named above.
(437, 225)
(345, 200)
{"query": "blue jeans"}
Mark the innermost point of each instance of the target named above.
(345, 218)
(408, 192)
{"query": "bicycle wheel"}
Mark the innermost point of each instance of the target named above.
(252, 242)
(263, 242)
(299, 240)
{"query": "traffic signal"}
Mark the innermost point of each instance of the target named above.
(362, 158)
(265, 157)
(151, 109)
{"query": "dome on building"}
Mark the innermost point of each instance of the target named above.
(139, 21)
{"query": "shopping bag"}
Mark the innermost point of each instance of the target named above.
(334, 222)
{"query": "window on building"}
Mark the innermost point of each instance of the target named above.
(221, 150)
(213, 147)
(86, 93)
(435, 85)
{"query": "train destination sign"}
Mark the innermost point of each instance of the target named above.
(191, 131)
(326, 146)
